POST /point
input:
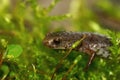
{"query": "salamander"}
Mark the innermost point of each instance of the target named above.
(93, 44)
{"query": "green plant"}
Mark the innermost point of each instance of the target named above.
(24, 57)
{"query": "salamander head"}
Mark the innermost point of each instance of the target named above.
(59, 40)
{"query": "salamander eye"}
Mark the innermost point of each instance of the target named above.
(57, 41)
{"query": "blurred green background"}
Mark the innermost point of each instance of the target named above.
(26, 22)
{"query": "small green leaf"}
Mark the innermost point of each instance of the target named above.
(78, 42)
(14, 51)
(4, 43)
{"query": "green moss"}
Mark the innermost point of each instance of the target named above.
(27, 24)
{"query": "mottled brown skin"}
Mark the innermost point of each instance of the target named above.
(93, 44)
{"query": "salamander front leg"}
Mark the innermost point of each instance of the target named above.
(89, 62)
